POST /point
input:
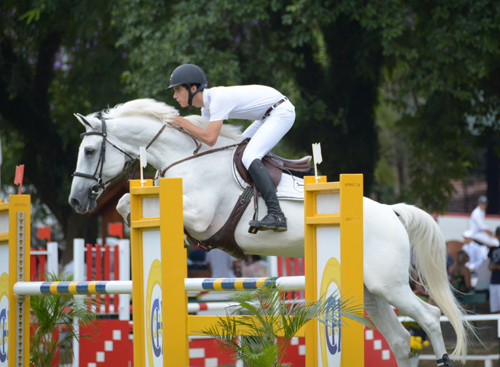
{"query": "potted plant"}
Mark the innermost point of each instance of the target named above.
(272, 322)
(54, 312)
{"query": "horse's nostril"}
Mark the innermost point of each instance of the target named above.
(74, 202)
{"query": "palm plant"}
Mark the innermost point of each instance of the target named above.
(271, 322)
(48, 313)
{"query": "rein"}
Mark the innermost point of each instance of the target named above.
(97, 176)
(200, 155)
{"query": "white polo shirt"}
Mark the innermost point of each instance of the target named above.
(477, 223)
(248, 102)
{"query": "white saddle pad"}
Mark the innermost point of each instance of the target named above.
(289, 188)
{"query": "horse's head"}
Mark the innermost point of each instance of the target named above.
(100, 160)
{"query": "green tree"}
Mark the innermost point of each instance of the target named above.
(56, 58)
(300, 48)
(443, 76)
(439, 61)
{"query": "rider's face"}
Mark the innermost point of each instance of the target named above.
(181, 95)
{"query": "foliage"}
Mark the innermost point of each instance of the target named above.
(443, 75)
(293, 47)
(435, 63)
(269, 318)
(51, 312)
(56, 58)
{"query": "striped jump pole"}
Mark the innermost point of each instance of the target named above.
(125, 286)
(69, 288)
(244, 284)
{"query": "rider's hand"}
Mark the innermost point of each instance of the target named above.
(176, 121)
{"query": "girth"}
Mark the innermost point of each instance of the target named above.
(224, 238)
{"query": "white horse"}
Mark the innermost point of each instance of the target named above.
(210, 192)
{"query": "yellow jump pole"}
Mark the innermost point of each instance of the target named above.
(334, 262)
(159, 267)
(174, 272)
(16, 332)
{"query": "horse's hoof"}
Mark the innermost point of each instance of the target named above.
(445, 361)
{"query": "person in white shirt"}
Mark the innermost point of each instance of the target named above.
(273, 116)
(480, 231)
(222, 265)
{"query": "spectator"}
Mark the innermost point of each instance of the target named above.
(254, 266)
(197, 256)
(480, 231)
(449, 262)
(222, 265)
(460, 275)
(494, 266)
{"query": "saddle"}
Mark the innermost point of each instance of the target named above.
(224, 238)
(274, 164)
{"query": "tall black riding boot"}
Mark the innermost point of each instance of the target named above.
(275, 219)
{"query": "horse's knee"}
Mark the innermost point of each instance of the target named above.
(400, 346)
(123, 208)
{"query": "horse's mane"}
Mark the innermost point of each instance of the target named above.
(163, 112)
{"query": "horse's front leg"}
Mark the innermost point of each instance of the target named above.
(123, 208)
(197, 215)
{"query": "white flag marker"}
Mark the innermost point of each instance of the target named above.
(144, 162)
(317, 158)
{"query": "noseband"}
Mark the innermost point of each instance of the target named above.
(95, 188)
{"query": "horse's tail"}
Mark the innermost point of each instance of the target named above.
(429, 248)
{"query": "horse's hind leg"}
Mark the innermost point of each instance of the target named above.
(426, 315)
(387, 323)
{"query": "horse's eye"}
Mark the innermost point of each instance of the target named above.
(89, 151)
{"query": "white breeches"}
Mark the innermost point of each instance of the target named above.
(477, 254)
(267, 133)
(485, 239)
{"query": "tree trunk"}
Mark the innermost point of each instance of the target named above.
(493, 177)
(78, 226)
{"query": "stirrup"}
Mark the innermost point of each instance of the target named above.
(278, 224)
(254, 223)
(254, 226)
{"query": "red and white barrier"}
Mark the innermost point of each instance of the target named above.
(44, 261)
(96, 262)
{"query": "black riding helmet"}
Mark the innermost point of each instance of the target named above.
(189, 75)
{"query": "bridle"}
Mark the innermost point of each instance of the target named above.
(97, 176)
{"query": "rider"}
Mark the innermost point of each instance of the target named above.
(273, 116)
(481, 233)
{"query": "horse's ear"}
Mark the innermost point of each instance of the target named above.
(82, 120)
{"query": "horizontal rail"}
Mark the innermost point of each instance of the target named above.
(465, 317)
(222, 306)
(293, 283)
(489, 357)
(67, 288)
